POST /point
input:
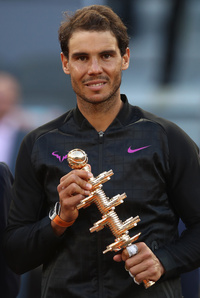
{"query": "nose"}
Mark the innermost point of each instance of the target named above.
(94, 67)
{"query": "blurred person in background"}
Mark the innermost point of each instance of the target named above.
(13, 126)
(9, 281)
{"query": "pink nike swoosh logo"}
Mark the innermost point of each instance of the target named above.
(138, 149)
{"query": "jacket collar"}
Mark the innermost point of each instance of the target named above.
(122, 118)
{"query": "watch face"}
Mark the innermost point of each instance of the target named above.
(52, 214)
(55, 211)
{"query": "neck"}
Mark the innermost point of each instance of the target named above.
(100, 115)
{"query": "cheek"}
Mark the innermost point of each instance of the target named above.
(116, 73)
(77, 72)
(77, 67)
(113, 69)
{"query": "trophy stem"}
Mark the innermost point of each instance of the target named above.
(78, 159)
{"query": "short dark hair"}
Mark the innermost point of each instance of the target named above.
(93, 18)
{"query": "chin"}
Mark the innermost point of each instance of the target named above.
(95, 99)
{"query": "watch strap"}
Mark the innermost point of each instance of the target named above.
(62, 223)
(54, 216)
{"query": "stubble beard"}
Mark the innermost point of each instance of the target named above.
(103, 104)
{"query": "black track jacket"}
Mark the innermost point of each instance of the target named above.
(154, 162)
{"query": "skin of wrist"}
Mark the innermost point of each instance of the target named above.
(57, 229)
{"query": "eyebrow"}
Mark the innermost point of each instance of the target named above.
(112, 52)
(78, 54)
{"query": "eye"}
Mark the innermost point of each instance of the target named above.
(82, 58)
(106, 56)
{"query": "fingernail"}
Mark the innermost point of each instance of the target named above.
(136, 281)
(88, 185)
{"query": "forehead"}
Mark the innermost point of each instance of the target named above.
(87, 41)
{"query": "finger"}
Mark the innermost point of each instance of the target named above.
(129, 252)
(74, 189)
(145, 269)
(68, 210)
(71, 202)
(74, 176)
(136, 269)
(81, 173)
(132, 250)
(134, 279)
(141, 277)
(117, 258)
(140, 261)
(74, 184)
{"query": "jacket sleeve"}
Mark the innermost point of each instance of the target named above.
(184, 195)
(29, 239)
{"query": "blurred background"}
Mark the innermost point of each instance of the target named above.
(164, 73)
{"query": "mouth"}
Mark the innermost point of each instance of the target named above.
(95, 85)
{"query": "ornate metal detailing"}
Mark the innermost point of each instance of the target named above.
(78, 159)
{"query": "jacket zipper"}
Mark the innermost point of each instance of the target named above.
(101, 294)
(101, 140)
(101, 134)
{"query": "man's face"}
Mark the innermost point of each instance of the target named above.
(9, 94)
(95, 65)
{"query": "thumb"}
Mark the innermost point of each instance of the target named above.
(117, 258)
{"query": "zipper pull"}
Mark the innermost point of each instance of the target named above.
(101, 134)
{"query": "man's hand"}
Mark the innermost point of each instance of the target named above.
(142, 266)
(72, 189)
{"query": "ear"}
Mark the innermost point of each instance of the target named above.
(65, 64)
(126, 59)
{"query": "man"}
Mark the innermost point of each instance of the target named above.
(13, 126)
(153, 161)
(9, 281)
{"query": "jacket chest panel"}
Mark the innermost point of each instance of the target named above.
(134, 153)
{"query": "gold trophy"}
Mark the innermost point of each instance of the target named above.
(78, 159)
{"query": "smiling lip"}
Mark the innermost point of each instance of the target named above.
(95, 85)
